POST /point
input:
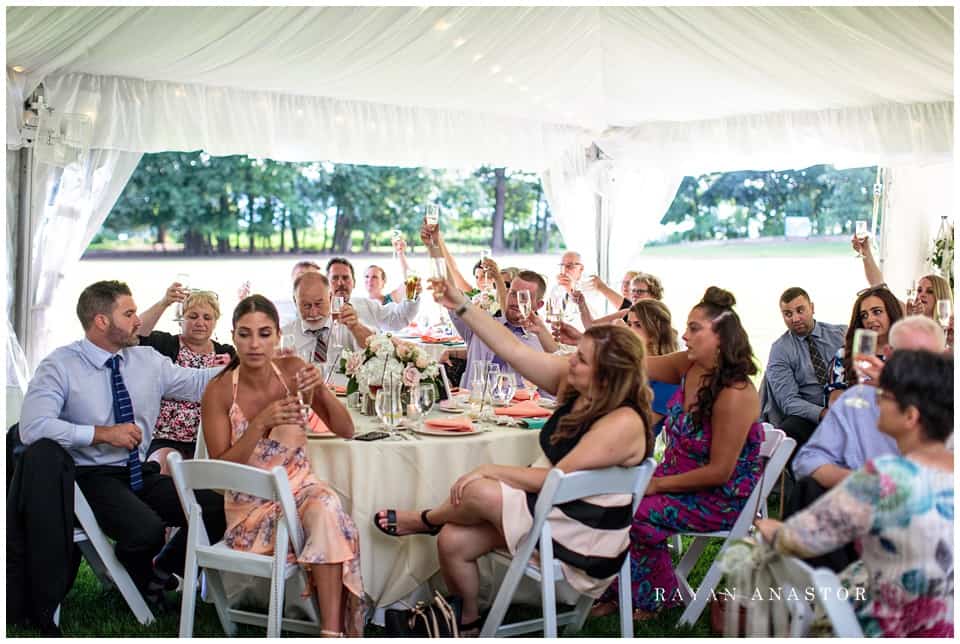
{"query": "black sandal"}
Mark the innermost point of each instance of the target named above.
(391, 527)
(472, 629)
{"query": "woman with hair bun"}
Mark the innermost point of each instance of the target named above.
(712, 458)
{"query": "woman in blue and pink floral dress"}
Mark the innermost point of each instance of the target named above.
(897, 509)
(712, 458)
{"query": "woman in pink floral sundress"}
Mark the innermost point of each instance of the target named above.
(251, 415)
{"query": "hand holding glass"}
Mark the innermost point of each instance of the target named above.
(944, 311)
(864, 343)
(525, 305)
(861, 232)
(184, 279)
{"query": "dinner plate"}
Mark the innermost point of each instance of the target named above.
(450, 406)
(430, 431)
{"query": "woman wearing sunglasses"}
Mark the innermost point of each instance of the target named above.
(176, 428)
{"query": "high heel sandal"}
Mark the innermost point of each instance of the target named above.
(326, 633)
(390, 528)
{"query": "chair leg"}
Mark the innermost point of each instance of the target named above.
(503, 598)
(626, 599)
(710, 580)
(188, 601)
(548, 589)
(580, 614)
(214, 583)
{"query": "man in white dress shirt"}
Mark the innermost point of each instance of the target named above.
(313, 325)
(374, 315)
(286, 307)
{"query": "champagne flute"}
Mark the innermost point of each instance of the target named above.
(433, 214)
(944, 311)
(288, 345)
(864, 343)
(861, 233)
(396, 238)
(525, 305)
(438, 268)
(184, 279)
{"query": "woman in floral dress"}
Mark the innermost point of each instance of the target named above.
(712, 458)
(251, 416)
(193, 347)
(898, 510)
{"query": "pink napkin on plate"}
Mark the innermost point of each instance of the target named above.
(457, 424)
(526, 409)
(523, 394)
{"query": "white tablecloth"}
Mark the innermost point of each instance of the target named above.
(404, 475)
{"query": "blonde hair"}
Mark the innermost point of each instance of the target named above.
(941, 287)
(199, 298)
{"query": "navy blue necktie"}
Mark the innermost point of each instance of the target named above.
(123, 413)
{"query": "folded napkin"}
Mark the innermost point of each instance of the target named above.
(523, 394)
(456, 424)
(446, 339)
(339, 390)
(526, 409)
(315, 425)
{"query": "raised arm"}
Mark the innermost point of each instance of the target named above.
(150, 317)
(615, 299)
(431, 237)
(397, 294)
(668, 368)
(586, 317)
(544, 369)
(606, 319)
(501, 285)
(870, 268)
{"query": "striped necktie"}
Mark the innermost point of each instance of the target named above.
(123, 413)
(819, 366)
(320, 348)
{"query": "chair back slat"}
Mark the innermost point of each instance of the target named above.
(209, 474)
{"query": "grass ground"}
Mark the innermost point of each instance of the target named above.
(91, 611)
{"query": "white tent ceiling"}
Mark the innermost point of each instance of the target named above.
(552, 71)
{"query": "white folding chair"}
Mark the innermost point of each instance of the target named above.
(793, 614)
(99, 553)
(776, 449)
(561, 488)
(192, 475)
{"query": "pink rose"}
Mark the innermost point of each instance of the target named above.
(354, 362)
(411, 377)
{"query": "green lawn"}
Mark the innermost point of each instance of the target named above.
(91, 611)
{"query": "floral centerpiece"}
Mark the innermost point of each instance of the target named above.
(388, 360)
(941, 255)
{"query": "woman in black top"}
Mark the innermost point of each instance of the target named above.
(603, 420)
(177, 423)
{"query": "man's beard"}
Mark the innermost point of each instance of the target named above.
(117, 336)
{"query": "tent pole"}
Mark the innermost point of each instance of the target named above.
(24, 247)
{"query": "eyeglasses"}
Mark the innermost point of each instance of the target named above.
(873, 289)
(570, 265)
(640, 291)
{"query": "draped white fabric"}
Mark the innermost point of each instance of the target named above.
(69, 206)
(917, 197)
(142, 116)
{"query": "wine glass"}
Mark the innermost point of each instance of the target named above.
(861, 232)
(184, 279)
(944, 311)
(433, 214)
(288, 345)
(525, 304)
(864, 343)
(424, 396)
(504, 388)
(530, 387)
(389, 407)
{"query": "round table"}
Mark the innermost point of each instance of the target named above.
(410, 473)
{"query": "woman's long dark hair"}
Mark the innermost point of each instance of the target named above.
(894, 313)
(251, 304)
(621, 379)
(735, 359)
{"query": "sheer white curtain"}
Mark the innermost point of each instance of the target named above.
(917, 197)
(69, 206)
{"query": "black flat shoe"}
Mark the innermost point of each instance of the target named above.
(390, 528)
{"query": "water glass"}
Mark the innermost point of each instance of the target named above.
(422, 399)
(864, 343)
(861, 232)
(944, 311)
(504, 389)
(389, 407)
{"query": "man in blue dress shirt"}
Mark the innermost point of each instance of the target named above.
(98, 400)
(792, 391)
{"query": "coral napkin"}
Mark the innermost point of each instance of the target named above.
(526, 409)
(523, 394)
(428, 339)
(456, 424)
(338, 390)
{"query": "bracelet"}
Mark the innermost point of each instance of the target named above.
(462, 308)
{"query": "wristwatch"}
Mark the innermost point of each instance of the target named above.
(462, 308)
